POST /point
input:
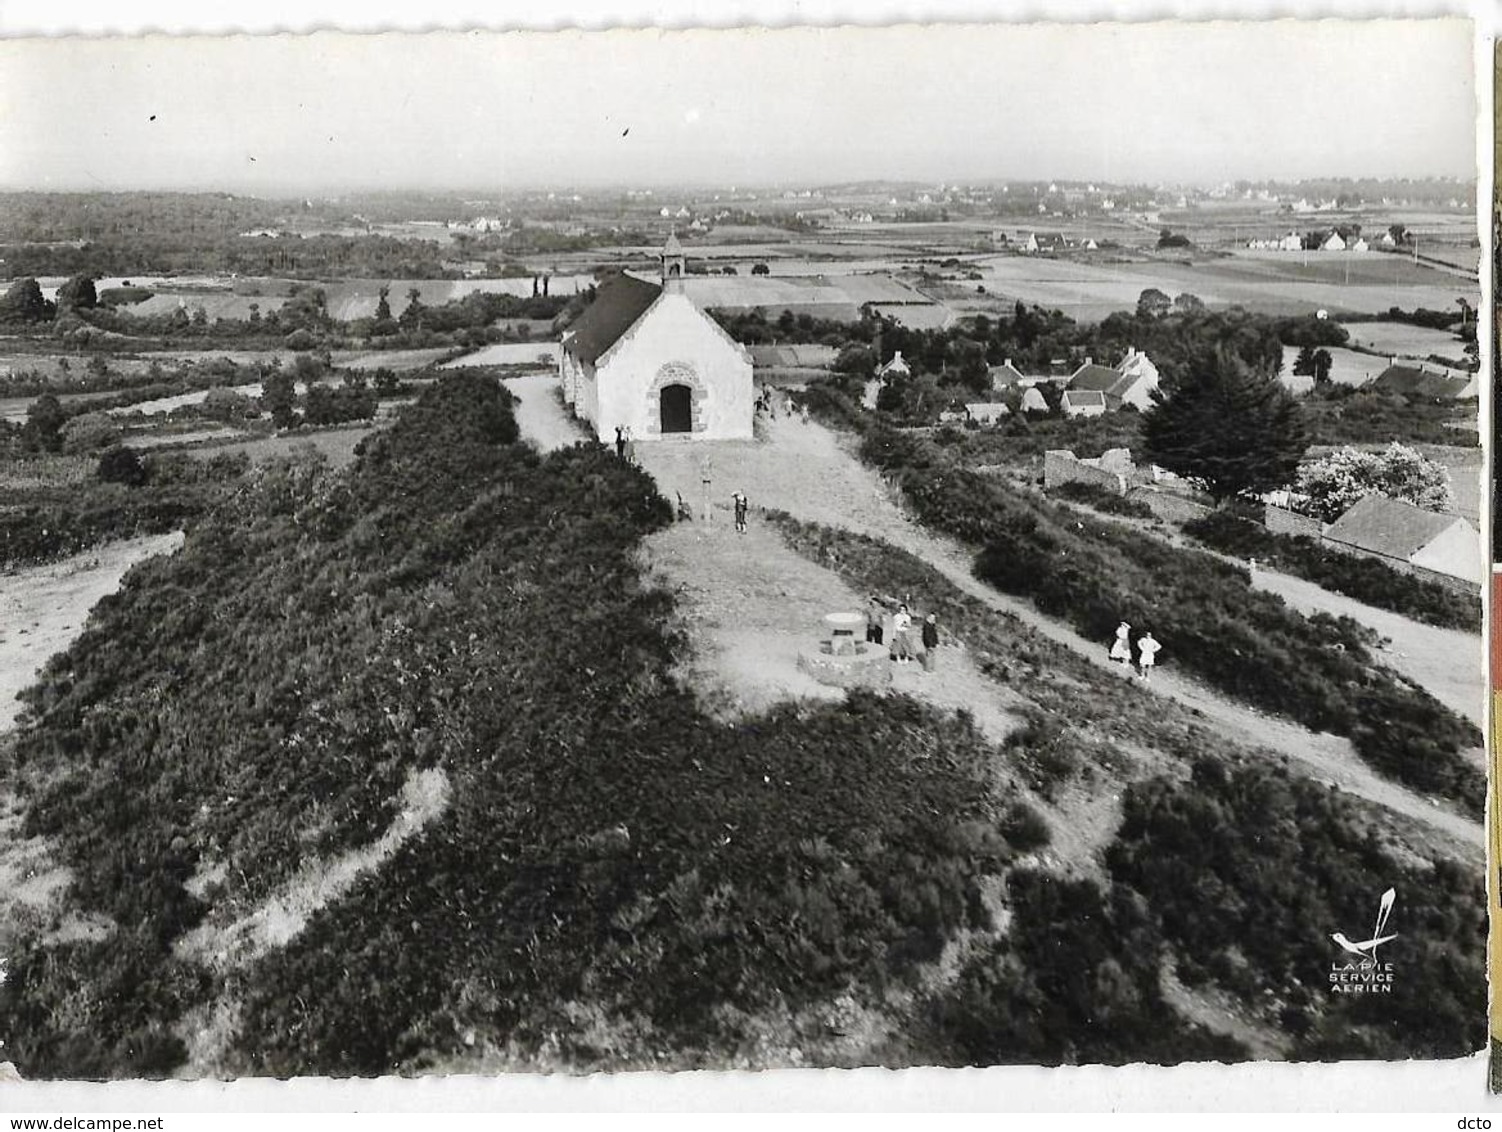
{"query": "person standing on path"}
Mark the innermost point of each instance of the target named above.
(1149, 650)
(930, 641)
(874, 616)
(902, 645)
(620, 443)
(1121, 647)
(740, 511)
(630, 447)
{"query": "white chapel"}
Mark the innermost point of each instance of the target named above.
(643, 356)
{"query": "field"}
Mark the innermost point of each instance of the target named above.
(509, 354)
(401, 361)
(1402, 340)
(337, 445)
(1270, 282)
(357, 298)
(1347, 368)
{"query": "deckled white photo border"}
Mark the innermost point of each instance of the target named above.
(1349, 1087)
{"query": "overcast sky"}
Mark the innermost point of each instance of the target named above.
(489, 111)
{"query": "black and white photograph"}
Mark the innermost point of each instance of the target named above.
(600, 551)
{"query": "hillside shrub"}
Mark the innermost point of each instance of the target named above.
(121, 464)
(1097, 498)
(1248, 870)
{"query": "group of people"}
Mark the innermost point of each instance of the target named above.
(625, 444)
(767, 402)
(895, 630)
(1147, 650)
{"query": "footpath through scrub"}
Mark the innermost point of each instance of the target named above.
(805, 469)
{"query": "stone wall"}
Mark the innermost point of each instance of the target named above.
(1169, 505)
(1281, 521)
(1061, 466)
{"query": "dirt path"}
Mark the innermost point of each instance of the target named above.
(1445, 662)
(539, 413)
(805, 470)
(43, 608)
(1431, 657)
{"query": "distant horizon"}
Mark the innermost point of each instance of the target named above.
(1126, 104)
(311, 192)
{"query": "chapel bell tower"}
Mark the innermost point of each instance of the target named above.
(674, 265)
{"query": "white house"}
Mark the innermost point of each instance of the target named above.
(645, 357)
(986, 412)
(1404, 534)
(1333, 244)
(897, 367)
(1129, 382)
(1083, 403)
(1031, 243)
(1359, 245)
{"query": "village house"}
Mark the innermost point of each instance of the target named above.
(643, 356)
(1333, 243)
(1131, 382)
(1409, 537)
(897, 367)
(986, 412)
(1083, 403)
(1008, 376)
(1418, 380)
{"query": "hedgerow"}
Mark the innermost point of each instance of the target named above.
(1364, 579)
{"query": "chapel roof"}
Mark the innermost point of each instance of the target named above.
(619, 302)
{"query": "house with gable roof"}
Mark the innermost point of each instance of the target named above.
(1129, 382)
(1410, 538)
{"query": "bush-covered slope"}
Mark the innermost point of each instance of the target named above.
(617, 877)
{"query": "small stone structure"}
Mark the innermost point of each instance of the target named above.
(844, 658)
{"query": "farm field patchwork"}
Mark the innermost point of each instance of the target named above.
(1271, 283)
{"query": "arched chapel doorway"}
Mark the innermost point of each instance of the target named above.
(677, 408)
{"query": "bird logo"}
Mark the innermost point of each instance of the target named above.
(1367, 948)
